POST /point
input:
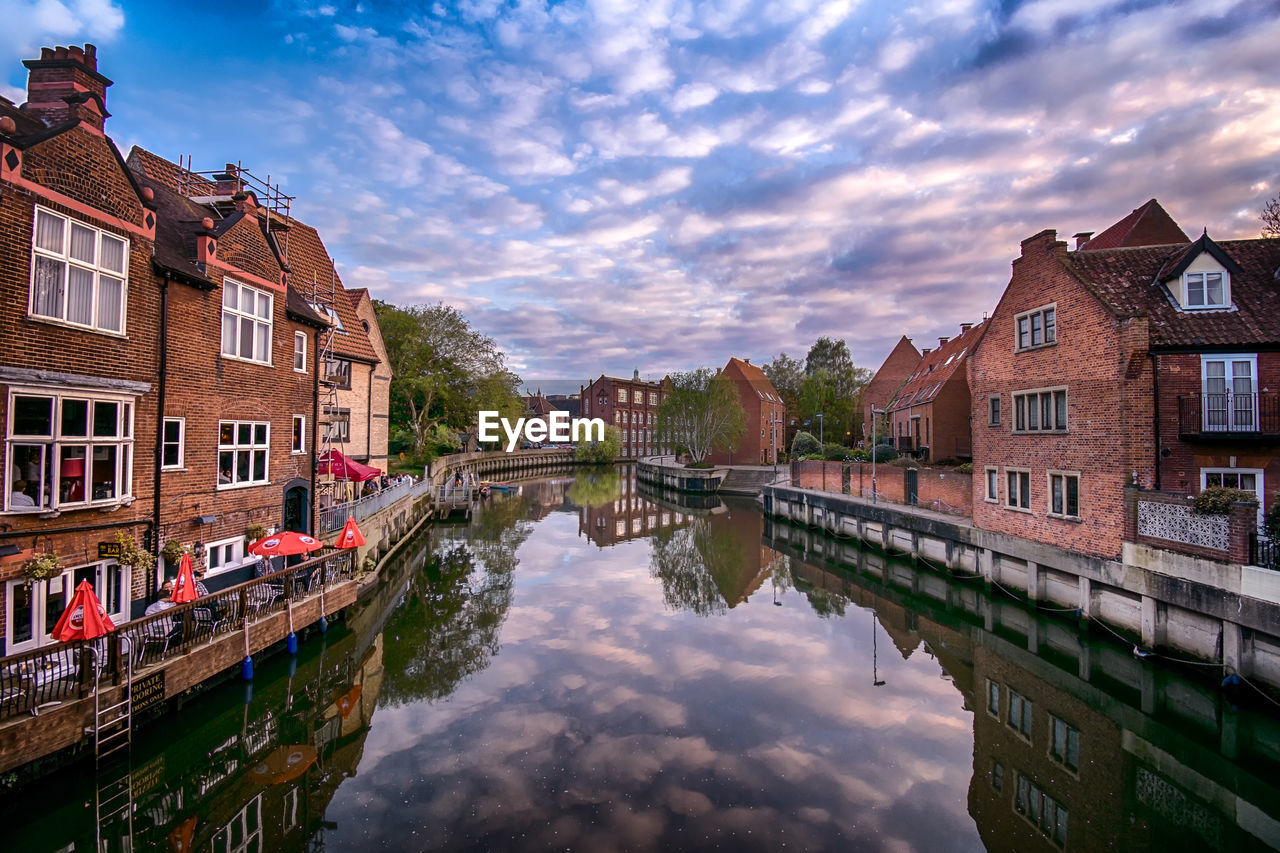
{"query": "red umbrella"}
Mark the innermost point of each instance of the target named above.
(184, 587)
(350, 537)
(84, 619)
(340, 467)
(285, 543)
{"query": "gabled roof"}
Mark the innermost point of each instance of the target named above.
(177, 226)
(1148, 225)
(755, 377)
(936, 369)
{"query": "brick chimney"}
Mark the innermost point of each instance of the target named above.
(1082, 238)
(942, 342)
(64, 83)
(964, 327)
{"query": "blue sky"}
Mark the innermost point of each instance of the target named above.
(603, 186)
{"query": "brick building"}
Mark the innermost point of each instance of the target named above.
(766, 417)
(629, 404)
(929, 413)
(901, 362)
(1086, 347)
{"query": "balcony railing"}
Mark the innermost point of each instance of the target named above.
(1229, 415)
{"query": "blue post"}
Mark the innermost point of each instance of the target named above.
(246, 668)
(324, 624)
(292, 642)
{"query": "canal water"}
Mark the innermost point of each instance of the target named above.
(589, 666)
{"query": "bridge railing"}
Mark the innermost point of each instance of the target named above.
(333, 517)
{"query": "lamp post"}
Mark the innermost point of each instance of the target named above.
(874, 423)
(822, 438)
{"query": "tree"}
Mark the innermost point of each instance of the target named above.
(803, 444)
(701, 414)
(441, 369)
(600, 452)
(786, 374)
(1271, 218)
(833, 386)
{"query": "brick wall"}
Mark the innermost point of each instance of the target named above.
(941, 489)
(1102, 363)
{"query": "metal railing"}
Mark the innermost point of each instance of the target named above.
(68, 671)
(333, 517)
(1229, 414)
(1266, 553)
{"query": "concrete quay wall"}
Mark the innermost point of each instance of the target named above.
(661, 472)
(1205, 612)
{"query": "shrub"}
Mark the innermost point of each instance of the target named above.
(860, 456)
(834, 451)
(1273, 518)
(805, 444)
(885, 453)
(1217, 500)
(904, 462)
(949, 462)
(173, 551)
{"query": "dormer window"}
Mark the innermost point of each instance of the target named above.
(1207, 289)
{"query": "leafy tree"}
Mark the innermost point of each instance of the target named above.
(596, 487)
(804, 444)
(833, 386)
(704, 567)
(701, 414)
(442, 368)
(1271, 218)
(786, 374)
(601, 452)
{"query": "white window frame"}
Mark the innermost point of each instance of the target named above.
(1064, 758)
(992, 475)
(298, 438)
(1259, 487)
(1020, 422)
(1233, 417)
(260, 324)
(94, 269)
(68, 581)
(182, 444)
(1065, 475)
(236, 447)
(622, 395)
(994, 712)
(1048, 328)
(300, 349)
(227, 561)
(1203, 277)
(1015, 500)
(1026, 708)
(55, 442)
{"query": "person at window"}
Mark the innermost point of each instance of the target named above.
(224, 476)
(19, 497)
(164, 602)
(198, 574)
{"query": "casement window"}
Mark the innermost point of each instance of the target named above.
(32, 608)
(243, 448)
(1230, 386)
(1064, 494)
(993, 698)
(338, 427)
(1207, 289)
(993, 484)
(993, 410)
(173, 450)
(246, 322)
(67, 450)
(1040, 410)
(1019, 718)
(1038, 328)
(299, 434)
(1044, 812)
(1018, 489)
(79, 274)
(622, 395)
(225, 555)
(1064, 744)
(653, 398)
(300, 352)
(337, 372)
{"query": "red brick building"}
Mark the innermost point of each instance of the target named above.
(629, 404)
(901, 362)
(766, 417)
(1086, 347)
(929, 413)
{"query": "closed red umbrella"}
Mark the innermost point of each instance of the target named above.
(284, 544)
(84, 619)
(350, 537)
(184, 586)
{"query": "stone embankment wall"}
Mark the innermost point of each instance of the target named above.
(941, 489)
(663, 472)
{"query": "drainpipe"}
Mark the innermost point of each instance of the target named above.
(158, 461)
(1155, 390)
(315, 431)
(368, 422)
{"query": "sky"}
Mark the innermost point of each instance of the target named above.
(657, 185)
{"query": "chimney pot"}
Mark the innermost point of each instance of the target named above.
(926, 351)
(942, 341)
(8, 125)
(964, 327)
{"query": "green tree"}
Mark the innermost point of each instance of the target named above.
(803, 444)
(786, 374)
(833, 386)
(441, 369)
(596, 487)
(600, 452)
(701, 414)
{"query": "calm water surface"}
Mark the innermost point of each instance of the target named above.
(584, 668)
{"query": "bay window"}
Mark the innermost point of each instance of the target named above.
(78, 273)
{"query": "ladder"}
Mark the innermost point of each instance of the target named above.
(323, 297)
(113, 741)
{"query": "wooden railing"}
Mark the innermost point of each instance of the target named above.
(66, 671)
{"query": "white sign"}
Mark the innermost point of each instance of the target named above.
(558, 428)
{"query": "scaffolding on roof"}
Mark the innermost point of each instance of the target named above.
(218, 189)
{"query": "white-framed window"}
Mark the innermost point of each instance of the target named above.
(79, 274)
(653, 398)
(243, 833)
(1044, 812)
(32, 608)
(1207, 289)
(1064, 744)
(1038, 328)
(246, 322)
(993, 484)
(337, 372)
(1230, 392)
(1064, 494)
(1018, 488)
(993, 698)
(993, 410)
(622, 395)
(300, 352)
(1245, 479)
(1019, 718)
(67, 449)
(299, 434)
(1042, 410)
(338, 425)
(173, 449)
(327, 311)
(243, 448)
(225, 555)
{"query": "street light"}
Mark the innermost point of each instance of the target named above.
(874, 422)
(821, 428)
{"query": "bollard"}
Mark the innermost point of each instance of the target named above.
(292, 642)
(246, 668)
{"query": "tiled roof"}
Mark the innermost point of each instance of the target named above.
(1125, 280)
(1149, 225)
(27, 125)
(754, 375)
(177, 226)
(936, 368)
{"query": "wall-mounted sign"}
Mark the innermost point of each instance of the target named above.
(108, 550)
(148, 691)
